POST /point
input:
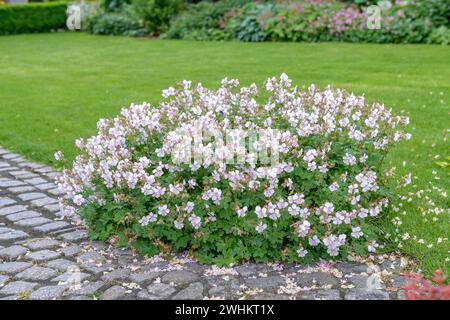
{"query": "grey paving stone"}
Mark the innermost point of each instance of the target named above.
(74, 235)
(45, 186)
(91, 257)
(36, 274)
(31, 165)
(118, 274)
(10, 156)
(89, 288)
(32, 222)
(21, 189)
(270, 282)
(179, 277)
(161, 290)
(12, 209)
(364, 294)
(7, 169)
(52, 207)
(43, 255)
(351, 267)
(113, 293)
(366, 281)
(36, 181)
(48, 293)
(52, 175)
(22, 215)
(10, 298)
(13, 267)
(58, 225)
(39, 244)
(70, 251)
(22, 173)
(4, 229)
(269, 296)
(4, 201)
(44, 170)
(322, 294)
(144, 295)
(12, 252)
(3, 280)
(55, 192)
(17, 287)
(12, 234)
(398, 281)
(143, 277)
(43, 201)
(96, 268)
(10, 183)
(31, 196)
(61, 264)
(316, 278)
(72, 276)
(80, 298)
(193, 292)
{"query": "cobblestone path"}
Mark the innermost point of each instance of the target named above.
(45, 256)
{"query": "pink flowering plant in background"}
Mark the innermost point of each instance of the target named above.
(319, 196)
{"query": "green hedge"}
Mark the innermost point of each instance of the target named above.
(32, 17)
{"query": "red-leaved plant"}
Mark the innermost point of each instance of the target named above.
(417, 288)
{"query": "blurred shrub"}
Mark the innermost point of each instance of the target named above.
(115, 23)
(32, 17)
(401, 21)
(204, 21)
(440, 35)
(156, 14)
(248, 24)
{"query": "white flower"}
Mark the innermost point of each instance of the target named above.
(261, 227)
(59, 156)
(356, 232)
(372, 246)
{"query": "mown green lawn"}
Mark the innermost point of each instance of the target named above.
(54, 88)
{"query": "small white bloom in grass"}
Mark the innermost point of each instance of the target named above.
(59, 155)
(363, 158)
(261, 227)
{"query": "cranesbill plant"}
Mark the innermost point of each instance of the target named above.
(290, 176)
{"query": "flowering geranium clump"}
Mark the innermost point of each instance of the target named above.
(294, 177)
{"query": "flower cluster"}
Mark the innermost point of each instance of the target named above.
(321, 193)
